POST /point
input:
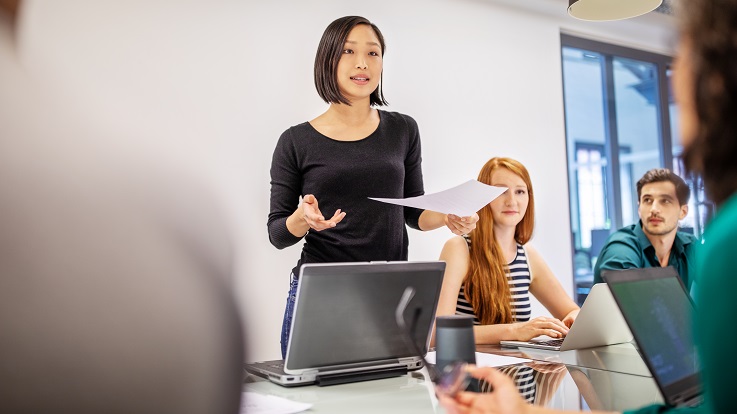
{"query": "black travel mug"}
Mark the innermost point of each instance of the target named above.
(454, 340)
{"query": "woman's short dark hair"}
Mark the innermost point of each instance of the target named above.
(329, 53)
(657, 175)
(708, 27)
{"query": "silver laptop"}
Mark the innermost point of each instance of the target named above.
(658, 309)
(344, 327)
(598, 323)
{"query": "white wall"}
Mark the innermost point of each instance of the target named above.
(482, 78)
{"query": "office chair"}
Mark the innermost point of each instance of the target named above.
(598, 240)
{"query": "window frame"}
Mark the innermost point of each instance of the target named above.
(663, 64)
(613, 185)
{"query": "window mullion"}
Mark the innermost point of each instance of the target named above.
(666, 143)
(611, 149)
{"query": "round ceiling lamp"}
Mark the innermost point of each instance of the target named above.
(602, 10)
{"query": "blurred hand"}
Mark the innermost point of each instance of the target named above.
(552, 327)
(461, 225)
(504, 399)
(314, 217)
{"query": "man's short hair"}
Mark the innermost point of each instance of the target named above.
(657, 175)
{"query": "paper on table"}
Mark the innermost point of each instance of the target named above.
(462, 200)
(487, 360)
(255, 403)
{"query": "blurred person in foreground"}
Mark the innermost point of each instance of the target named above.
(114, 262)
(705, 84)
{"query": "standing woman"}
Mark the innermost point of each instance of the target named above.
(350, 152)
(491, 272)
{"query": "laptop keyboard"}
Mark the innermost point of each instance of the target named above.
(549, 342)
(278, 365)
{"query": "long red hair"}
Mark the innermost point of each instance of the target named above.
(486, 287)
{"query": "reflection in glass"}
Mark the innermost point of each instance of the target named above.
(612, 391)
(454, 377)
(537, 382)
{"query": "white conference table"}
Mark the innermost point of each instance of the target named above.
(607, 378)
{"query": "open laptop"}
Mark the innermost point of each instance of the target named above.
(598, 323)
(658, 309)
(344, 327)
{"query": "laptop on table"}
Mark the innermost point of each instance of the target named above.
(344, 327)
(599, 323)
(658, 310)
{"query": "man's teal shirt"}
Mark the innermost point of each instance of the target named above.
(629, 248)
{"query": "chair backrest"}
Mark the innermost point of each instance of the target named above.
(598, 239)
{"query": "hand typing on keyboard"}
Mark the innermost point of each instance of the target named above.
(552, 327)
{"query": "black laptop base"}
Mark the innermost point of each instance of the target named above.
(335, 379)
(332, 379)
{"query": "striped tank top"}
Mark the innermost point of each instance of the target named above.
(524, 379)
(518, 277)
(535, 387)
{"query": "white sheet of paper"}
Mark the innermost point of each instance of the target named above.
(462, 200)
(255, 403)
(486, 360)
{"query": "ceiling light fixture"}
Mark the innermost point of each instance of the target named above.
(603, 10)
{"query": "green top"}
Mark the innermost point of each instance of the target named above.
(715, 263)
(661, 409)
(629, 248)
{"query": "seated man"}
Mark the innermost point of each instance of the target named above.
(654, 240)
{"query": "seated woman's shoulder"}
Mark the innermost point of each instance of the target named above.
(529, 246)
(531, 250)
(456, 245)
(457, 241)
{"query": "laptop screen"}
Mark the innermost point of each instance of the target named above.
(658, 311)
(345, 312)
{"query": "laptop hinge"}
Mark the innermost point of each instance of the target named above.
(408, 361)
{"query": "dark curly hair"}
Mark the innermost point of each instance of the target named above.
(709, 27)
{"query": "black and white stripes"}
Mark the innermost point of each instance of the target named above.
(518, 277)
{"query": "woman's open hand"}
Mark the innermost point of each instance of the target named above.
(314, 218)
